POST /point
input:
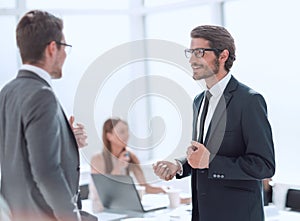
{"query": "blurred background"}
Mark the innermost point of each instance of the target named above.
(266, 33)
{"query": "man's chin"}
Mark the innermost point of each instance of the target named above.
(197, 77)
(56, 75)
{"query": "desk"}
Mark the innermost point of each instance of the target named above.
(283, 215)
(182, 213)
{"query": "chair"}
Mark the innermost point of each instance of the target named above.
(293, 199)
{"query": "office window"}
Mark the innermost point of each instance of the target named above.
(90, 36)
(153, 3)
(174, 26)
(78, 4)
(8, 52)
(267, 39)
(7, 3)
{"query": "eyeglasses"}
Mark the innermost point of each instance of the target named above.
(199, 52)
(67, 48)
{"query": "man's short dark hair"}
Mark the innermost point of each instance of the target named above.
(218, 38)
(35, 30)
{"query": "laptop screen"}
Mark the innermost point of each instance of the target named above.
(117, 192)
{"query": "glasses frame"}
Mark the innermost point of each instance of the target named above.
(67, 46)
(201, 52)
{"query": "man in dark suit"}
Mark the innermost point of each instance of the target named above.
(232, 148)
(38, 150)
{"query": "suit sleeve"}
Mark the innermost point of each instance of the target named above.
(42, 133)
(258, 160)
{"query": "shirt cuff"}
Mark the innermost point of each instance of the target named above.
(179, 164)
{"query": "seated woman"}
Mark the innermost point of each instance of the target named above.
(117, 159)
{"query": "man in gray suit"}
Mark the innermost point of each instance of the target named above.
(232, 148)
(38, 150)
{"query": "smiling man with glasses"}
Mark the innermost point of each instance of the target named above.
(232, 148)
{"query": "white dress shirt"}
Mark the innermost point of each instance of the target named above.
(216, 91)
(38, 71)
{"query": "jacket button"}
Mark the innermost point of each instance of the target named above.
(78, 168)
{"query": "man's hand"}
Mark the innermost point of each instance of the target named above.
(79, 133)
(198, 156)
(165, 170)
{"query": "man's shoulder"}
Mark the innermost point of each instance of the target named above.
(244, 89)
(247, 92)
(25, 90)
(246, 95)
(22, 84)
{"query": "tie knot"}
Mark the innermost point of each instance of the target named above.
(208, 95)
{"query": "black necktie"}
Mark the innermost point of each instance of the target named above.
(203, 115)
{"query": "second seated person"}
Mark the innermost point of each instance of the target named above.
(117, 159)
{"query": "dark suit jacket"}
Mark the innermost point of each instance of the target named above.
(38, 150)
(240, 141)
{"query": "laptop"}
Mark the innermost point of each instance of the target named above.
(118, 192)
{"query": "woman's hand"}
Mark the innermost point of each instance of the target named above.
(124, 159)
(122, 163)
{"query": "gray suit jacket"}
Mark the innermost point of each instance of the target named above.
(239, 139)
(38, 152)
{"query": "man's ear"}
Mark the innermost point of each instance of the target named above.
(224, 56)
(51, 49)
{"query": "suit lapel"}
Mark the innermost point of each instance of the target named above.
(69, 127)
(217, 119)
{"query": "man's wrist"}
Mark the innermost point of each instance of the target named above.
(179, 167)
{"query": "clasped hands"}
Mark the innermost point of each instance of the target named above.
(197, 157)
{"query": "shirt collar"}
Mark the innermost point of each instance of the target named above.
(219, 87)
(38, 71)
